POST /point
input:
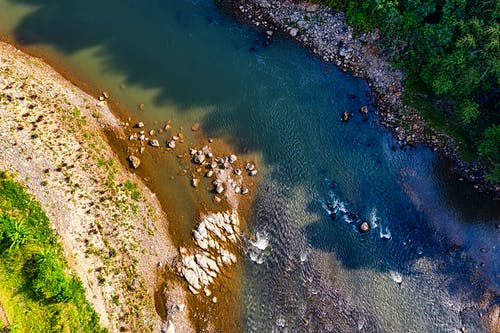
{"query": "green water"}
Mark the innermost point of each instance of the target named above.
(188, 62)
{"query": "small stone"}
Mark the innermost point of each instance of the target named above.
(249, 167)
(195, 182)
(101, 98)
(132, 137)
(141, 106)
(293, 32)
(232, 159)
(244, 190)
(214, 299)
(237, 172)
(192, 151)
(345, 116)
(213, 165)
(134, 161)
(141, 150)
(105, 94)
(171, 144)
(175, 137)
(217, 199)
(364, 109)
(195, 127)
(269, 33)
(209, 173)
(167, 127)
(101, 104)
(151, 132)
(142, 137)
(139, 125)
(252, 172)
(237, 189)
(210, 140)
(199, 158)
(364, 227)
(219, 188)
(483, 250)
(154, 143)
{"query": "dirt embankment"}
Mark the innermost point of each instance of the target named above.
(111, 226)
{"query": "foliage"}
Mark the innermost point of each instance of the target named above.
(451, 46)
(37, 290)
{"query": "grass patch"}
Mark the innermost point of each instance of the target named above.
(37, 290)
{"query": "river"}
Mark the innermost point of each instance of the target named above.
(432, 251)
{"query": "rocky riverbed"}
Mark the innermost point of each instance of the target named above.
(326, 34)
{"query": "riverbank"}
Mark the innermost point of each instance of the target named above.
(326, 34)
(111, 226)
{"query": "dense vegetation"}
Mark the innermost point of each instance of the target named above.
(37, 290)
(450, 51)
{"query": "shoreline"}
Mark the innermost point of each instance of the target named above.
(52, 138)
(325, 33)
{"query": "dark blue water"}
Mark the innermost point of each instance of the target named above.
(420, 268)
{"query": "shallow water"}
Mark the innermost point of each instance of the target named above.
(418, 269)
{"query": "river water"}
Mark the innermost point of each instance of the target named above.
(433, 248)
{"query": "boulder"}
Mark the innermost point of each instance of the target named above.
(134, 161)
(364, 227)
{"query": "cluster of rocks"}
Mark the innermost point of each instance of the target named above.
(213, 239)
(326, 33)
(225, 170)
(147, 138)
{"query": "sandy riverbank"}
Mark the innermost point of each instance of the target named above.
(111, 226)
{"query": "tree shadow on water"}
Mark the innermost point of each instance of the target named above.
(144, 41)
